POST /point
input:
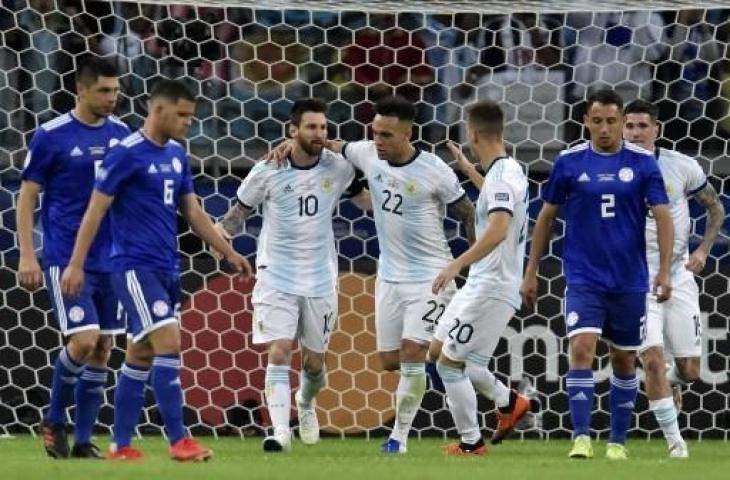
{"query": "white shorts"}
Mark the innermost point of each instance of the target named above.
(473, 325)
(407, 311)
(675, 324)
(278, 315)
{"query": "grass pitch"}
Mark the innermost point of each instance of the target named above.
(23, 458)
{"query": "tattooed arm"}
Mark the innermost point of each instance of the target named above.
(232, 223)
(715, 217)
(463, 210)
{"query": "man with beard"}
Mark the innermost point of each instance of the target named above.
(295, 296)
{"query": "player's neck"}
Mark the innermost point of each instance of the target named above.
(405, 156)
(154, 134)
(301, 159)
(488, 154)
(85, 116)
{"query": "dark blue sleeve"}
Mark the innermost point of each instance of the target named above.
(186, 185)
(40, 160)
(556, 189)
(116, 168)
(654, 190)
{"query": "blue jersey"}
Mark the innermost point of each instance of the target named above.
(605, 197)
(148, 181)
(62, 158)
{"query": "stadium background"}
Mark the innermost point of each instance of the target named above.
(248, 62)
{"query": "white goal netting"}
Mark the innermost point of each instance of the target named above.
(248, 61)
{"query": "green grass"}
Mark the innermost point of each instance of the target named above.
(22, 458)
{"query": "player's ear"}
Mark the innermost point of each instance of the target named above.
(292, 130)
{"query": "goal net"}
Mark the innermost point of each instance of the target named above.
(248, 62)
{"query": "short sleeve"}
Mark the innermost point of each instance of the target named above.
(654, 190)
(356, 183)
(40, 159)
(252, 191)
(500, 197)
(448, 188)
(114, 171)
(360, 154)
(557, 187)
(696, 178)
(186, 185)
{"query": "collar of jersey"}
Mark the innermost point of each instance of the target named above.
(501, 157)
(590, 147)
(84, 124)
(308, 167)
(410, 160)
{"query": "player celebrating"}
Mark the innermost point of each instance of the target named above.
(145, 180)
(604, 184)
(673, 326)
(62, 158)
(479, 312)
(296, 290)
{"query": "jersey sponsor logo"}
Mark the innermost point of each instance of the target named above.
(629, 405)
(572, 319)
(626, 174)
(97, 151)
(176, 165)
(76, 314)
(152, 169)
(584, 178)
(76, 152)
(606, 177)
(579, 396)
(288, 188)
(378, 178)
(160, 308)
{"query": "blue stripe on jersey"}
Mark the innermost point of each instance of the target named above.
(63, 157)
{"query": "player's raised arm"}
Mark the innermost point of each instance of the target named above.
(29, 270)
(715, 217)
(463, 165)
(72, 280)
(203, 227)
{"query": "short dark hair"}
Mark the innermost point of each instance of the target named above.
(396, 106)
(604, 96)
(642, 106)
(304, 105)
(91, 67)
(486, 117)
(173, 90)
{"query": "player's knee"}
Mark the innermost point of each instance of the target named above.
(653, 363)
(623, 362)
(313, 363)
(83, 345)
(139, 354)
(412, 351)
(390, 361)
(102, 351)
(689, 369)
(280, 352)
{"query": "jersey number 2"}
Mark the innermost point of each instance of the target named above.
(608, 205)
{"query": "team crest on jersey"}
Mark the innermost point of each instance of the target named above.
(327, 184)
(160, 308)
(176, 165)
(411, 188)
(76, 314)
(626, 174)
(572, 319)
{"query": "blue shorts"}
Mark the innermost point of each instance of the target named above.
(96, 308)
(620, 318)
(151, 299)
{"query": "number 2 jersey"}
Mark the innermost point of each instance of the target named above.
(604, 198)
(408, 207)
(296, 247)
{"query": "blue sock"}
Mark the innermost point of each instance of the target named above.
(621, 401)
(580, 399)
(169, 394)
(89, 395)
(128, 403)
(433, 374)
(66, 373)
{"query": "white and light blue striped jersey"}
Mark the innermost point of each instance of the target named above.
(409, 203)
(296, 247)
(683, 177)
(505, 189)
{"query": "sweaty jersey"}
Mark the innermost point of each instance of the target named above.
(505, 189)
(296, 247)
(683, 177)
(147, 181)
(408, 206)
(63, 157)
(605, 197)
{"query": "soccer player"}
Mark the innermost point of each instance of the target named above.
(295, 297)
(673, 326)
(604, 185)
(62, 159)
(145, 180)
(474, 320)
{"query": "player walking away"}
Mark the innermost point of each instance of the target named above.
(62, 159)
(604, 185)
(145, 180)
(479, 312)
(673, 326)
(295, 297)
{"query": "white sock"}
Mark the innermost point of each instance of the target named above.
(487, 384)
(666, 417)
(278, 396)
(310, 385)
(674, 377)
(408, 396)
(462, 401)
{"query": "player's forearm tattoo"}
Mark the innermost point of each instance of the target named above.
(233, 220)
(715, 215)
(463, 210)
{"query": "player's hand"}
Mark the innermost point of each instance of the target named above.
(30, 275)
(334, 145)
(461, 163)
(662, 287)
(72, 281)
(445, 277)
(224, 235)
(278, 155)
(696, 261)
(239, 263)
(528, 290)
